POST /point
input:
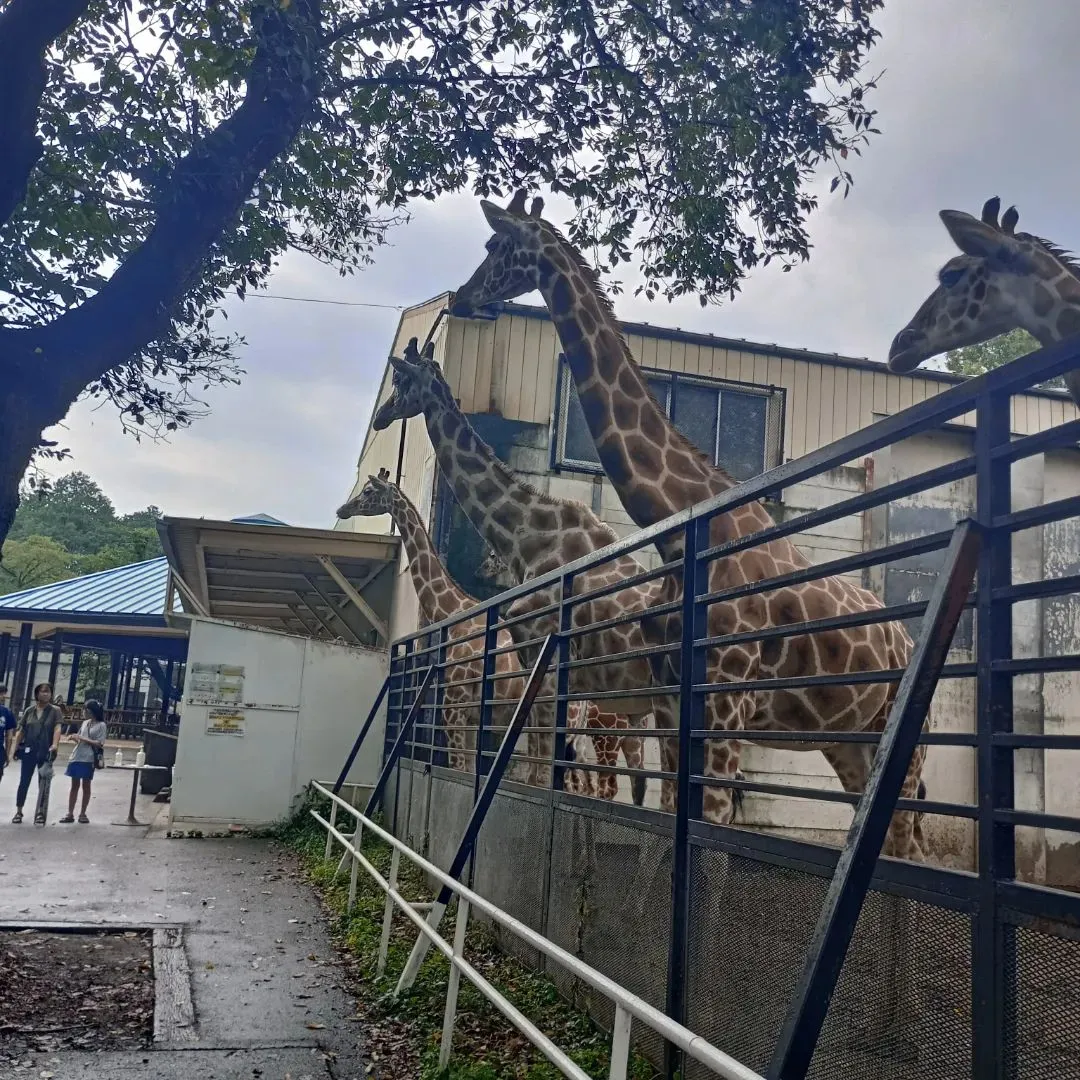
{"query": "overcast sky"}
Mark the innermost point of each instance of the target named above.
(978, 99)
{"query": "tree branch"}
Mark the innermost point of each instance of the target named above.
(27, 29)
(195, 205)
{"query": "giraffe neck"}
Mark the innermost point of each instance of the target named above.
(653, 467)
(438, 594)
(526, 529)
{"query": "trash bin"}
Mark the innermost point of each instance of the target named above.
(160, 749)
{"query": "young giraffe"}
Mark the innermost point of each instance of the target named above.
(657, 472)
(606, 747)
(440, 597)
(534, 533)
(1003, 280)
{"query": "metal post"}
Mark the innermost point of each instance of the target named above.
(620, 1044)
(484, 713)
(5, 653)
(461, 925)
(479, 811)
(115, 661)
(388, 913)
(691, 762)
(73, 678)
(992, 972)
(562, 684)
(352, 872)
(54, 662)
(32, 672)
(17, 686)
(330, 835)
(359, 741)
(798, 1039)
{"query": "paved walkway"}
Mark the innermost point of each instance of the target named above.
(263, 977)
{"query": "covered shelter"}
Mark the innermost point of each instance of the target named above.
(122, 613)
(257, 571)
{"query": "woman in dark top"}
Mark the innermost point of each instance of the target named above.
(36, 740)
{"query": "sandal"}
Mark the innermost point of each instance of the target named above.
(67, 820)
(17, 819)
(83, 819)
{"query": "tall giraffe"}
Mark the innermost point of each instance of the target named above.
(606, 745)
(657, 471)
(440, 597)
(1002, 280)
(534, 533)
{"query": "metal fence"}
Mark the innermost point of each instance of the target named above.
(800, 959)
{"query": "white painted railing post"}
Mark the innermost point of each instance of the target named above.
(352, 880)
(620, 1044)
(388, 912)
(450, 1016)
(329, 834)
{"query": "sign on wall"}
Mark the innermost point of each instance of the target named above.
(226, 722)
(215, 683)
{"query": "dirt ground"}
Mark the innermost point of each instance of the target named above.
(74, 991)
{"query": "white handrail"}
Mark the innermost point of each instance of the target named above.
(694, 1046)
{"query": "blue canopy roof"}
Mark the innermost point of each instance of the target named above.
(132, 594)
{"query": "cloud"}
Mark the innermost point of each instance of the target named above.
(977, 99)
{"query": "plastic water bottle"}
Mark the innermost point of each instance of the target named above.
(118, 757)
(140, 758)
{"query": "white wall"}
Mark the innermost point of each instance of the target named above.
(304, 702)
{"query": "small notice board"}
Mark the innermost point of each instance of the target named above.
(226, 722)
(211, 684)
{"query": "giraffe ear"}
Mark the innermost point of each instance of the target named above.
(983, 241)
(500, 220)
(429, 351)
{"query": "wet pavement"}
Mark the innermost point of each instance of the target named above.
(266, 990)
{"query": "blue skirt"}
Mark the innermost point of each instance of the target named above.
(80, 770)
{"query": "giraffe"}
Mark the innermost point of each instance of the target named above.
(440, 597)
(1002, 280)
(606, 746)
(656, 472)
(534, 533)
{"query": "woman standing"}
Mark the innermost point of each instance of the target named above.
(89, 743)
(36, 738)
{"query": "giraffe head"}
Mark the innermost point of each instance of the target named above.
(417, 382)
(514, 262)
(375, 498)
(1001, 280)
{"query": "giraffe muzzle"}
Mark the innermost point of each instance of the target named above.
(908, 350)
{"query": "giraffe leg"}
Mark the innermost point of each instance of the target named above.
(852, 763)
(665, 717)
(606, 748)
(633, 750)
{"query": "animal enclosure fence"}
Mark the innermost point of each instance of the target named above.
(798, 958)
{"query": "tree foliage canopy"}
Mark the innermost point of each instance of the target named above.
(71, 528)
(158, 155)
(979, 359)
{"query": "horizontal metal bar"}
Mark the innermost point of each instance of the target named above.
(826, 738)
(1038, 820)
(643, 653)
(932, 478)
(812, 794)
(629, 582)
(1034, 516)
(851, 678)
(833, 568)
(1036, 590)
(818, 626)
(1037, 665)
(1040, 901)
(1035, 742)
(693, 1045)
(619, 620)
(1065, 434)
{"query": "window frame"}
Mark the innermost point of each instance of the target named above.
(558, 461)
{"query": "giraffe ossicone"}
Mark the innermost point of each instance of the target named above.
(1002, 280)
(657, 472)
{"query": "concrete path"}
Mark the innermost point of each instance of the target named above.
(266, 990)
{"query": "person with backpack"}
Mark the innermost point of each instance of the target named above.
(88, 755)
(37, 738)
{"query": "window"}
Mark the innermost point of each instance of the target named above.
(739, 425)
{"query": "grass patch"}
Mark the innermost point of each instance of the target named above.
(403, 1034)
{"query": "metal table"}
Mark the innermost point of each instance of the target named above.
(135, 770)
